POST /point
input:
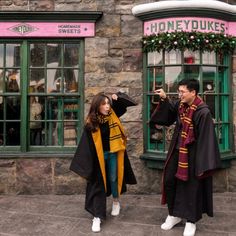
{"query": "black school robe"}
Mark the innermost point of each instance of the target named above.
(86, 164)
(189, 199)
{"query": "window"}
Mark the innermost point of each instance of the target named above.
(166, 69)
(41, 85)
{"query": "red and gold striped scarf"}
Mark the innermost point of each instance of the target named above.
(186, 136)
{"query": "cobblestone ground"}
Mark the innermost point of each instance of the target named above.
(141, 215)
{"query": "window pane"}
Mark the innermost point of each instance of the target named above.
(155, 58)
(223, 135)
(220, 58)
(54, 110)
(209, 58)
(1, 80)
(13, 108)
(13, 81)
(53, 55)
(70, 133)
(12, 116)
(173, 57)
(52, 134)
(54, 81)
(37, 81)
(71, 109)
(36, 120)
(172, 75)
(191, 72)
(37, 55)
(71, 55)
(1, 54)
(12, 55)
(71, 80)
(191, 57)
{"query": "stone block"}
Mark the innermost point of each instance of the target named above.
(75, 5)
(130, 25)
(42, 5)
(34, 176)
(94, 65)
(66, 181)
(107, 7)
(220, 181)
(96, 47)
(132, 60)
(129, 42)
(7, 176)
(232, 177)
(133, 129)
(108, 26)
(113, 65)
(115, 53)
(91, 79)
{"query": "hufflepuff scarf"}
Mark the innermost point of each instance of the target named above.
(186, 136)
(117, 137)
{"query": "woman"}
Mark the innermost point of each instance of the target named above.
(101, 157)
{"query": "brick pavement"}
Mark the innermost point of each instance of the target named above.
(141, 215)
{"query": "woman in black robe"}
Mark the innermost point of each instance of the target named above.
(188, 196)
(101, 156)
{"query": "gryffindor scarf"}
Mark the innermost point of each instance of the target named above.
(186, 136)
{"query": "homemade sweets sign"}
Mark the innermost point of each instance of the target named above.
(189, 24)
(47, 29)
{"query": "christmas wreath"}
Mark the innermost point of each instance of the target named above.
(193, 41)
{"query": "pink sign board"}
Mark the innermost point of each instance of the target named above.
(46, 29)
(189, 24)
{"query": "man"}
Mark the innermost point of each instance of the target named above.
(192, 157)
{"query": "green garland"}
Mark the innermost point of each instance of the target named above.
(189, 40)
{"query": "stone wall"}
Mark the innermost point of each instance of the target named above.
(113, 61)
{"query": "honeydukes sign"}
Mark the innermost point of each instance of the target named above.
(188, 24)
(187, 15)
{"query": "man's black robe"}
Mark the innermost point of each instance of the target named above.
(86, 164)
(189, 199)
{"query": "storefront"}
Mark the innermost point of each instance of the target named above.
(42, 79)
(56, 55)
(188, 39)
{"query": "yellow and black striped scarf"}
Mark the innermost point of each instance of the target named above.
(117, 137)
(186, 136)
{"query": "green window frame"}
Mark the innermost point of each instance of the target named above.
(49, 72)
(166, 69)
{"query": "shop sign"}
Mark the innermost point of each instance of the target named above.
(189, 24)
(46, 29)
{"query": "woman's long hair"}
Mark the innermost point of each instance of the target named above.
(92, 122)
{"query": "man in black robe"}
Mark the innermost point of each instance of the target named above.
(192, 157)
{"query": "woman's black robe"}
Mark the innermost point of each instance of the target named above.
(86, 164)
(189, 199)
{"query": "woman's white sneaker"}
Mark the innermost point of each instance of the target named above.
(115, 209)
(190, 229)
(170, 222)
(96, 226)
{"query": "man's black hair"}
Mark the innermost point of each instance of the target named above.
(191, 84)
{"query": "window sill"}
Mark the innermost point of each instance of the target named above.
(157, 160)
(34, 155)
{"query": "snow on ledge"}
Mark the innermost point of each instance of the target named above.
(188, 4)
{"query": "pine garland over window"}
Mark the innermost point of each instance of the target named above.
(193, 41)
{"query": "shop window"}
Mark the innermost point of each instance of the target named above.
(40, 94)
(166, 69)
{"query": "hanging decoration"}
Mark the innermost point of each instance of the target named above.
(193, 41)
